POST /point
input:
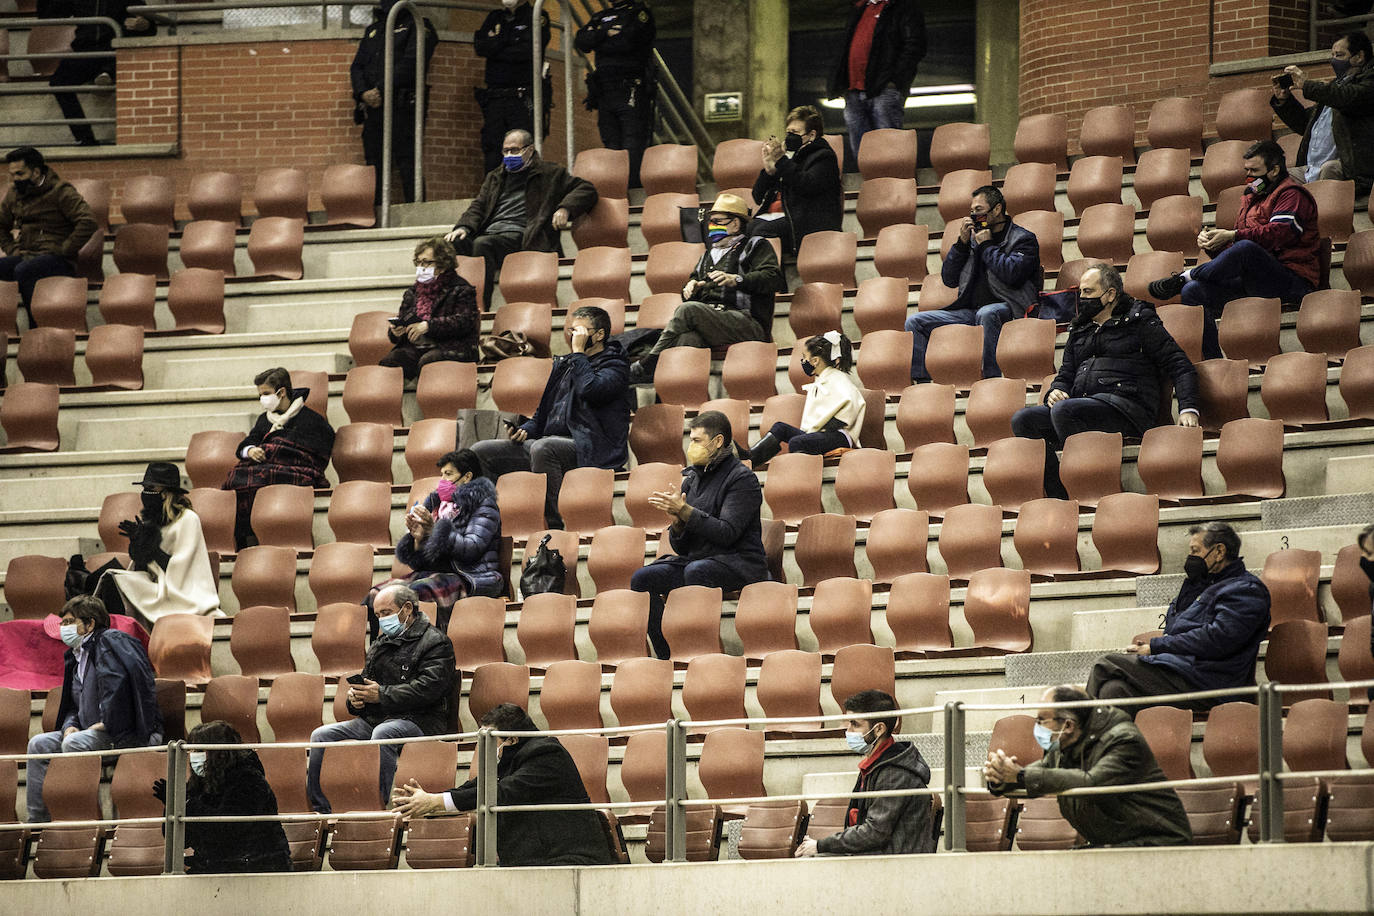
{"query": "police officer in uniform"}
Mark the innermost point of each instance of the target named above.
(366, 74)
(621, 88)
(507, 101)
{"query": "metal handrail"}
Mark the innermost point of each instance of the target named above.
(44, 88)
(388, 99)
(1314, 23)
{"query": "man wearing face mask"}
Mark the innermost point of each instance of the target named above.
(798, 188)
(1116, 357)
(1212, 631)
(108, 695)
(289, 443)
(995, 265)
(729, 296)
(404, 689)
(880, 826)
(1273, 252)
(507, 101)
(521, 206)
(1086, 746)
(1338, 129)
(715, 530)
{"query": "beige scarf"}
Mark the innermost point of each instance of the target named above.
(278, 420)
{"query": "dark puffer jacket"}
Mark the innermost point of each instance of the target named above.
(1012, 265)
(1122, 361)
(1213, 629)
(887, 826)
(415, 672)
(598, 415)
(453, 319)
(899, 44)
(809, 187)
(468, 544)
(725, 497)
(53, 219)
(244, 846)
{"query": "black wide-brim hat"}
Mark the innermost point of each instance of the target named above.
(163, 474)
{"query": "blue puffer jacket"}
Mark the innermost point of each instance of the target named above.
(1213, 629)
(468, 544)
(599, 413)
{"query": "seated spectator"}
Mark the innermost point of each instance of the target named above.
(1212, 630)
(90, 37)
(715, 532)
(798, 189)
(1116, 355)
(880, 826)
(438, 318)
(529, 771)
(729, 297)
(995, 265)
(1273, 251)
(289, 443)
(108, 696)
(1086, 746)
(521, 206)
(404, 690)
(583, 418)
(834, 408)
(170, 565)
(229, 783)
(452, 541)
(44, 222)
(1338, 129)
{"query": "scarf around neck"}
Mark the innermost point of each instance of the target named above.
(278, 420)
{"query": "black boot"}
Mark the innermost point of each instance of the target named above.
(764, 450)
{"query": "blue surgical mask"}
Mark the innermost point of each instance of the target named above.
(390, 625)
(1045, 738)
(858, 742)
(70, 636)
(513, 163)
(197, 762)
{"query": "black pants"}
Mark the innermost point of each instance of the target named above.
(402, 148)
(1056, 424)
(503, 113)
(78, 72)
(492, 249)
(624, 111)
(663, 575)
(1120, 676)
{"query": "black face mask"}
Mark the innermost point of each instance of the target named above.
(1195, 567)
(23, 185)
(1368, 566)
(1090, 306)
(793, 142)
(808, 369)
(152, 502)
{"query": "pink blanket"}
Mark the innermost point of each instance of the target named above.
(30, 659)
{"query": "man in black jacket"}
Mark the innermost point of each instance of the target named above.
(798, 189)
(529, 771)
(621, 88)
(367, 76)
(506, 41)
(1116, 358)
(884, 42)
(404, 690)
(1338, 129)
(715, 532)
(109, 698)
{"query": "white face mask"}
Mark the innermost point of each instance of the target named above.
(269, 401)
(197, 762)
(424, 274)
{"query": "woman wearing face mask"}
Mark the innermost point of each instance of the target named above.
(834, 409)
(438, 318)
(289, 443)
(169, 565)
(452, 541)
(798, 189)
(229, 783)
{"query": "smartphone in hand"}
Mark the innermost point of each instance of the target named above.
(1284, 81)
(356, 679)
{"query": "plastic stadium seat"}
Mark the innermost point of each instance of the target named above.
(1026, 348)
(1249, 329)
(128, 299)
(1223, 386)
(367, 338)
(1094, 180)
(989, 823)
(283, 516)
(1291, 575)
(619, 625)
(14, 724)
(114, 509)
(530, 276)
(1091, 466)
(606, 224)
(285, 770)
(737, 163)
(141, 248)
(585, 498)
(1108, 130)
(1350, 809)
(1349, 586)
(47, 356)
(1106, 232)
(888, 153)
(96, 193)
(669, 167)
(1029, 186)
(71, 793)
(1170, 462)
(496, 683)
(731, 766)
(785, 408)
(210, 456)
(137, 849)
(1250, 458)
(1048, 227)
(1244, 114)
(792, 488)
(713, 687)
(476, 628)
(884, 360)
(864, 482)
(642, 772)
(749, 372)
(1184, 324)
(943, 479)
(644, 480)
(1015, 472)
(338, 638)
(1329, 322)
(233, 698)
(1169, 732)
(828, 256)
(1335, 208)
(590, 753)
(1357, 382)
(1042, 138)
(275, 244)
(885, 202)
(669, 266)
(896, 543)
(789, 686)
(209, 244)
(959, 145)
(533, 319)
(60, 302)
(426, 442)
(1224, 167)
(444, 388)
(1126, 533)
(997, 608)
(179, 647)
(372, 394)
(607, 169)
(1294, 388)
(901, 253)
(773, 829)
(1041, 826)
(1297, 655)
(656, 433)
(954, 355)
(149, 199)
(281, 192)
(956, 191)
(765, 618)
(341, 571)
(1228, 205)
(518, 384)
(840, 612)
(265, 575)
(661, 219)
(825, 547)
(1161, 173)
(545, 631)
(28, 413)
(683, 375)
(691, 622)
(815, 309)
(881, 304)
(570, 696)
(195, 298)
(1176, 122)
(603, 272)
(33, 586)
(1070, 272)
(642, 690)
(971, 539)
(1174, 224)
(520, 495)
(215, 196)
(90, 259)
(1359, 261)
(1046, 536)
(991, 404)
(347, 192)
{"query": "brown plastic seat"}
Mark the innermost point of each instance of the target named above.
(338, 638)
(713, 688)
(792, 488)
(1042, 138)
(209, 244)
(1245, 114)
(765, 618)
(590, 753)
(881, 304)
(749, 371)
(955, 355)
(1126, 533)
(149, 199)
(1184, 324)
(33, 586)
(261, 641)
(1147, 266)
(1041, 826)
(661, 219)
(60, 302)
(1161, 173)
(1249, 329)
(495, 683)
(901, 253)
(885, 202)
(1291, 575)
(518, 384)
(285, 771)
(347, 192)
(96, 193)
(772, 829)
(341, 571)
(1025, 350)
(884, 360)
(265, 575)
(1329, 322)
(545, 631)
(444, 388)
(281, 192)
(1176, 122)
(585, 498)
(607, 225)
(1091, 466)
(669, 266)
(925, 414)
(943, 479)
(476, 628)
(1046, 536)
(14, 727)
(571, 694)
(864, 482)
(141, 248)
(1106, 232)
(520, 496)
(1108, 130)
(283, 516)
(128, 298)
(234, 699)
(1356, 383)
(137, 849)
(28, 413)
(1294, 388)
(367, 338)
(362, 451)
(114, 509)
(1359, 262)
(642, 772)
(195, 298)
(1335, 208)
(71, 793)
(670, 167)
(619, 625)
(1094, 180)
(860, 667)
(645, 480)
(815, 309)
(737, 163)
(1169, 732)
(533, 319)
(991, 404)
(210, 456)
(827, 256)
(47, 356)
(642, 691)
(825, 547)
(1224, 167)
(114, 356)
(683, 375)
(656, 433)
(1174, 224)
(1228, 202)
(602, 271)
(888, 153)
(997, 608)
(731, 766)
(896, 543)
(1350, 587)
(1015, 472)
(1214, 812)
(840, 612)
(785, 408)
(365, 843)
(691, 622)
(179, 647)
(216, 196)
(971, 538)
(1029, 186)
(275, 244)
(1170, 462)
(372, 394)
(989, 822)
(960, 145)
(426, 442)
(1223, 386)
(1250, 458)
(1048, 227)
(956, 190)
(1297, 655)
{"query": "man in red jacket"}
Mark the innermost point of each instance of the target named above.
(1272, 252)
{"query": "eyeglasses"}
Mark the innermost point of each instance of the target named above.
(424, 262)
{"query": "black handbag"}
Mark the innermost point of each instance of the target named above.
(544, 572)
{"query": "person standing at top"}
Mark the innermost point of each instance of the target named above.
(507, 101)
(621, 88)
(884, 42)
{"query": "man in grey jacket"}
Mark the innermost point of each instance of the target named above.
(995, 265)
(880, 826)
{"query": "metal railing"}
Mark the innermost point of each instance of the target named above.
(1316, 24)
(43, 88)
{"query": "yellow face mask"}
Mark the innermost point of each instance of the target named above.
(698, 454)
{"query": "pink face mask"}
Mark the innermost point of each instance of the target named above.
(446, 489)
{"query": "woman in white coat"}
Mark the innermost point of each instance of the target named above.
(170, 566)
(834, 409)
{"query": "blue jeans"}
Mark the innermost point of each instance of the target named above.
(864, 112)
(990, 317)
(663, 575)
(89, 739)
(358, 730)
(27, 271)
(1057, 423)
(1243, 269)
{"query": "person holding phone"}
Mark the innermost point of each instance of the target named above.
(1338, 129)
(438, 319)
